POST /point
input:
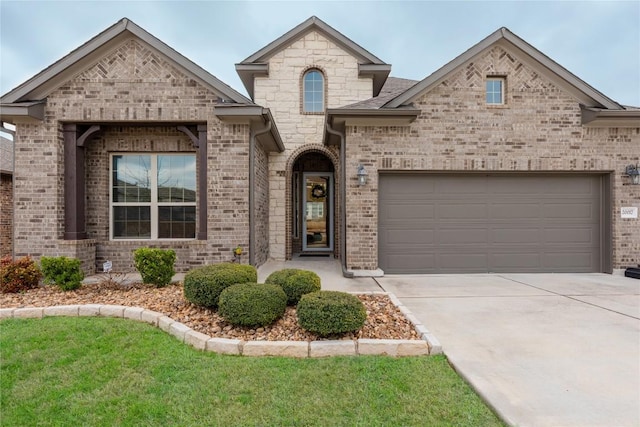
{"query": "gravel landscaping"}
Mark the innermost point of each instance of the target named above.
(384, 320)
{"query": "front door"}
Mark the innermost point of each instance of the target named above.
(317, 213)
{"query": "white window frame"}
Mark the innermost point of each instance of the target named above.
(153, 204)
(503, 86)
(304, 91)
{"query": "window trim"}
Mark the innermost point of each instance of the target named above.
(303, 91)
(503, 98)
(153, 204)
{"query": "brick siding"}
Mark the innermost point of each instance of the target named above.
(6, 215)
(135, 85)
(539, 129)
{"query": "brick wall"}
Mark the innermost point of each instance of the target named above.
(132, 84)
(261, 190)
(539, 129)
(6, 215)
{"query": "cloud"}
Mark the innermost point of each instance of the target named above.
(598, 41)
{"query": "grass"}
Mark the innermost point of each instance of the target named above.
(99, 371)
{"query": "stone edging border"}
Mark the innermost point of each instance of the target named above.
(428, 344)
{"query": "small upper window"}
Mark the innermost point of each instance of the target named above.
(313, 92)
(495, 91)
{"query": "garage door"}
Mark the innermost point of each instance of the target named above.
(489, 223)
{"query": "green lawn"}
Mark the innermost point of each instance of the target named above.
(98, 371)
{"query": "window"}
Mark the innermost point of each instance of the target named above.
(153, 196)
(495, 91)
(313, 92)
(315, 210)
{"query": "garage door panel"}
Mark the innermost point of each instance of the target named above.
(489, 223)
(518, 235)
(507, 261)
(514, 210)
(567, 262)
(414, 262)
(405, 187)
(576, 235)
(409, 236)
(570, 210)
(456, 236)
(465, 261)
(462, 211)
(572, 186)
(414, 211)
(460, 185)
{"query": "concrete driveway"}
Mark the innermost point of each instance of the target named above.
(542, 349)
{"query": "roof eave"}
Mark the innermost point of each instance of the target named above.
(22, 112)
(338, 118)
(592, 117)
(255, 115)
(379, 73)
(248, 73)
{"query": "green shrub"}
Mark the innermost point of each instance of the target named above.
(19, 275)
(202, 285)
(331, 312)
(295, 283)
(62, 271)
(252, 304)
(155, 265)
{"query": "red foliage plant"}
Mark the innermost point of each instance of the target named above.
(19, 275)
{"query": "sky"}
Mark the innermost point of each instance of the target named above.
(598, 41)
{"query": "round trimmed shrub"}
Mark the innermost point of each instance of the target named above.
(202, 285)
(64, 272)
(295, 283)
(252, 304)
(155, 265)
(331, 312)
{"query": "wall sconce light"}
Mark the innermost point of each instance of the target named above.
(362, 175)
(633, 172)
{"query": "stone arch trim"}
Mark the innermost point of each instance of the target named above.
(295, 155)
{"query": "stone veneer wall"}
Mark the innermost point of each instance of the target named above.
(136, 85)
(6, 215)
(281, 92)
(539, 129)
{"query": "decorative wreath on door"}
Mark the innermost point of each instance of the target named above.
(318, 192)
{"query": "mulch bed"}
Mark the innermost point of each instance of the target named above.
(384, 320)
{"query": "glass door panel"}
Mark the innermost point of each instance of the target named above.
(317, 219)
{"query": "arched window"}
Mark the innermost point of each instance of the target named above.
(313, 92)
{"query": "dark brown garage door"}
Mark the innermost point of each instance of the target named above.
(489, 223)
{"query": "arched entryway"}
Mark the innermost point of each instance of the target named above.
(312, 224)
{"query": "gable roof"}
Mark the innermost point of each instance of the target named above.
(369, 64)
(584, 93)
(42, 84)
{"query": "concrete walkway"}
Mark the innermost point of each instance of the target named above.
(329, 271)
(542, 349)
